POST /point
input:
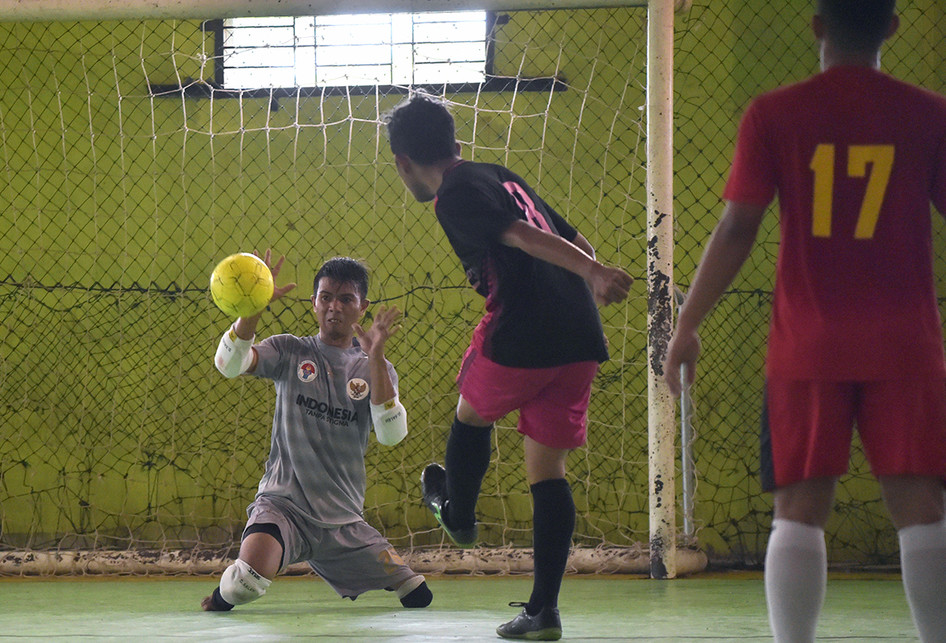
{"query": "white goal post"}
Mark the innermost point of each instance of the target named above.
(30, 10)
(659, 177)
(661, 425)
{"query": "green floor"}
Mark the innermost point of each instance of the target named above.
(722, 607)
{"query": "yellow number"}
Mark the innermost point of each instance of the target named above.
(822, 164)
(880, 159)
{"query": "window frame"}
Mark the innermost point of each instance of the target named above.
(216, 89)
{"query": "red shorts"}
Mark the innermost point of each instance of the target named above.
(807, 427)
(552, 402)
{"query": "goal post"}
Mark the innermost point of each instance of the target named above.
(68, 10)
(121, 199)
(660, 408)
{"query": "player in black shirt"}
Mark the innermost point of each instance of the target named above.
(536, 350)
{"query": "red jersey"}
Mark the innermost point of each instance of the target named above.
(855, 157)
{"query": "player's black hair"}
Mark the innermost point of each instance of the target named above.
(343, 270)
(422, 129)
(857, 25)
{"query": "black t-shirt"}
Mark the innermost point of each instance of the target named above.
(538, 315)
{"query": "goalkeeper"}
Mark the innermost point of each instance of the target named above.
(330, 389)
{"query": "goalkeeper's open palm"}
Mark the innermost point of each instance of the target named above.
(386, 323)
(278, 291)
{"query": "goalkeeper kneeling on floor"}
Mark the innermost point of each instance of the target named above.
(331, 389)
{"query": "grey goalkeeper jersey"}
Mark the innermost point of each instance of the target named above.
(320, 427)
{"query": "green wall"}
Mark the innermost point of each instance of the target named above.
(116, 431)
(118, 202)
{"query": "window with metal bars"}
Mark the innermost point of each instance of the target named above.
(280, 57)
(353, 50)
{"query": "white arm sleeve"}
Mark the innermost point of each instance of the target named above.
(233, 354)
(390, 421)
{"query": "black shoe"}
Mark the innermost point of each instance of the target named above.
(433, 483)
(217, 604)
(420, 596)
(544, 626)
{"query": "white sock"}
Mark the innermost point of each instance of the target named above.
(796, 572)
(923, 564)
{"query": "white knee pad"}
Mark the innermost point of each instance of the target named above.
(241, 584)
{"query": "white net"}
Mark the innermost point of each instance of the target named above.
(129, 172)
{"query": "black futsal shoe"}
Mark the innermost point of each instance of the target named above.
(544, 626)
(433, 483)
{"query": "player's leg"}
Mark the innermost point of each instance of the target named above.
(553, 521)
(488, 391)
(270, 541)
(806, 433)
(414, 592)
(916, 506)
(903, 428)
(356, 558)
(451, 493)
(553, 423)
(913, 500)
(796, 559)
(251, 574)
(469, 447)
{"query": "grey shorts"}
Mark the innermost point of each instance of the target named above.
(352, 559)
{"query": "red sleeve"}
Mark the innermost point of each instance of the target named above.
(752, 178)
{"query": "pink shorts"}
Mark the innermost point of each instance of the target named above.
(807, 428)
(552, 402)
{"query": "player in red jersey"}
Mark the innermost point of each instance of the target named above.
(855, 157)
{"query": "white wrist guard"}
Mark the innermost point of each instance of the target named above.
(233, 354)
(390, 421)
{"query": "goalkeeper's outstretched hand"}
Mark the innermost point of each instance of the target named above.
(385, 324)
(278, 291)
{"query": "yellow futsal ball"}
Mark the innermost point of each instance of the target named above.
(241, 285)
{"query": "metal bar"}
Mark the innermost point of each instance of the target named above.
(687, 467)
(75, 10)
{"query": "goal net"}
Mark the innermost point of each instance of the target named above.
(131, 167)
(128, 170)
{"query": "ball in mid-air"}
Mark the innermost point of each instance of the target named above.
(241, 285)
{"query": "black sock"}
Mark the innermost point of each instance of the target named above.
(553, 521)
(468, 451)
(420, 596)
(218, 603)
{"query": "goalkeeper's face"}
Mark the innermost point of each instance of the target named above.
(337, 306)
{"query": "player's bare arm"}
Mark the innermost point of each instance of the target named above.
(728, 248)
(609, 285)
(373, 341)
(388, 415)
(245, 327)
(234, 355)
(584, 245)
